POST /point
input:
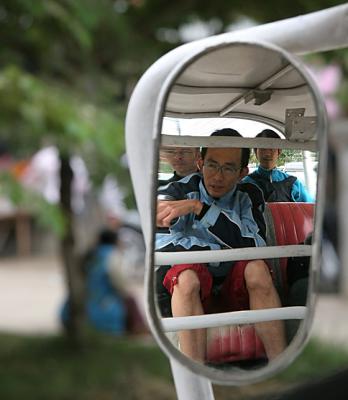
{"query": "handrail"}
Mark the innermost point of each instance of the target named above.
(232, 318)
(248, 253)
(211, 141)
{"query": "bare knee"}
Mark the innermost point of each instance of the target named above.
(188, 283)
(257, 276)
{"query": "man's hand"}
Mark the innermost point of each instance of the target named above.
(169, 210)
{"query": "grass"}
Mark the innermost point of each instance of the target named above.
(317, 360)
(106, 368)
(49, 368)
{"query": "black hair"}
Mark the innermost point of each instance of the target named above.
(107, 236)
(232, 133)
(267, 133)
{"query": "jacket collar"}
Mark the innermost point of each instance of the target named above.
(267, 173)
(224, 201)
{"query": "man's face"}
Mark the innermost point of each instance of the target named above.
(183, 160)
(222, 170)
(268, 157)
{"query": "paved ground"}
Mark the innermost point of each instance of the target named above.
(32, 291)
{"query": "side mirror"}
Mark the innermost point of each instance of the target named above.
(245, 86)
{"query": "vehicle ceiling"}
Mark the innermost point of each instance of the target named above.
(240, 81)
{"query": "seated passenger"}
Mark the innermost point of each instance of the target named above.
(110, 307)
(212, 211)
(183, 161)
(277, 186)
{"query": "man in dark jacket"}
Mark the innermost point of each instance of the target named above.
(183, 161)
(276, 185)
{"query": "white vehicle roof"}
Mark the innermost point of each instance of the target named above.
(226, 83)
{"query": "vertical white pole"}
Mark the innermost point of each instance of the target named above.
(339, 140)
(343, 216)
(190, 386)
(309, 173)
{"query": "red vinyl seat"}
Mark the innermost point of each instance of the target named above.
(287, 224)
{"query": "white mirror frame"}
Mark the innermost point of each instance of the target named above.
(238, 377)
(143, 126)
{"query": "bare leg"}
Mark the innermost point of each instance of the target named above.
(186, 301)
(262, 294)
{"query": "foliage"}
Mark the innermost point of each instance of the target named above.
(337, 58)
(287, 155)
(37, 112)
(317, 361)
(35, 109)
(67, 69)
(47, 215)
(118, 39)
(86, 56)
(341, 59)
(316, 356)
(49, 368)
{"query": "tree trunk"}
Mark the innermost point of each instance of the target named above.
(76, 325)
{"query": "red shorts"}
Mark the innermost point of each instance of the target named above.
(233, 295)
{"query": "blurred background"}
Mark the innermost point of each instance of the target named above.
(71, 250)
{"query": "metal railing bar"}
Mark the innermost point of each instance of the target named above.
(232, 318)
(249, 253)
(213, 141)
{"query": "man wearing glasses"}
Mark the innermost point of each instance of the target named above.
(182, 160)
(212, 211)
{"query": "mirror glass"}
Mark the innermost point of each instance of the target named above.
(237, 178)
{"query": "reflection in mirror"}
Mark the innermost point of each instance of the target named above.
(177, 162)
(236, 179)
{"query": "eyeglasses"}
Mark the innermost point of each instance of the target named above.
(213, 168)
